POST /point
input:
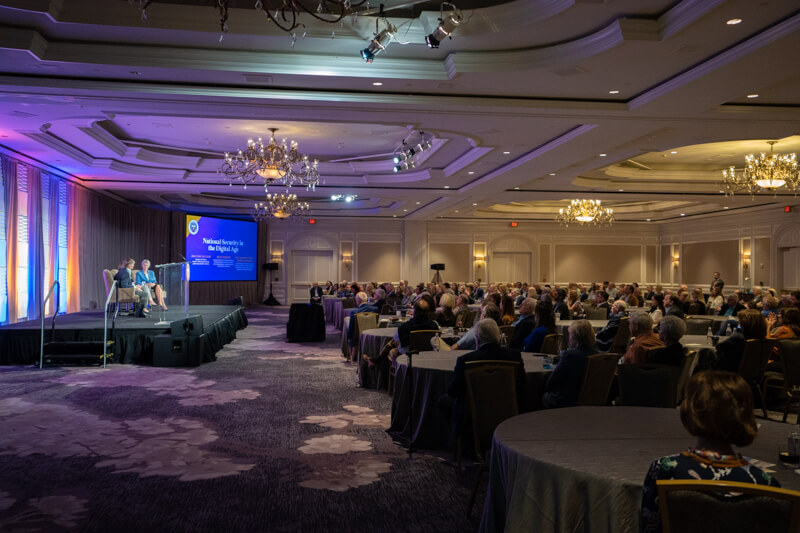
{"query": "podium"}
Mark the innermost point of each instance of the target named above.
(174, 279)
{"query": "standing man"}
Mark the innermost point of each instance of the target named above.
(716, 283)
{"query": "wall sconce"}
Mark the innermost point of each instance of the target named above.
(480, 259)
(347, 259)
(276, 257)
(746, 260)
(676, 260)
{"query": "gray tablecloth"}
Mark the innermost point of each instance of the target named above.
(563, 325)
(582, 468)
(328, 303)
(338, 314)
(373, 340)
(431, 377)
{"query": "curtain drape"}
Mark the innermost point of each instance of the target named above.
(10, 190)
(52, 257)
(75, 227)
(35, 244)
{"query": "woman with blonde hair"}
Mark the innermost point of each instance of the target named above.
(444, 313)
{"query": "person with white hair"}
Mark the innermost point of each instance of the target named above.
(641, 329)
(605, 337)
(489, 349)
(670, 330)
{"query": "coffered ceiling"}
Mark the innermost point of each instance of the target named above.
(532, 103)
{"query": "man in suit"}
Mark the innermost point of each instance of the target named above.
(362, 307)
(524, 324)
(379, 298)
(488, 335)
(601, 300)
(673, 307)
(423, 310)
(605, 337)
(124, 278)
(316, 293)
(716, 283)
(565, 382)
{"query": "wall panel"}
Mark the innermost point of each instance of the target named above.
(457, 260)
(598, 262)
(378, 261)
(759, 268)
(700, 260)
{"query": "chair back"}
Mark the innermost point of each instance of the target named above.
(687, 368)
(469, 318)
(790, 358)
(698, 326)
(387, 309)
(420, 340)
(689, 506)
(348, 303)
(491, 397)
(364, 321)
(597, 378)
(551, 344)
(508, 331)
(108, 279)
(623, 336)
(755, 358)
(597, 313)
(647, 385)
(696, 308)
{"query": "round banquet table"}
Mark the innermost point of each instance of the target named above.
(563, 325)
(582, 468)
(431, 378)
(328, 303)
(373, 340)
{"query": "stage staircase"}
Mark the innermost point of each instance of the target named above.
(77, 352)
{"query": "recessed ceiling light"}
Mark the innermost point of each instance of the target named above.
(673, 152)
(683, 214)
(419, 203)
(474, 204)
(613, 92)
(552, 173)
(752, 96)
(648, 220)
(446, 186)
(621, 190)
(405, 210)
(726, 207)
(516, 188)
(471, 172)
(733, 22)
(377, 83)
(506, 153)
(394, 216)
(456, 211)
(603, 155)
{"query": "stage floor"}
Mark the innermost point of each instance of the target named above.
(19, 343)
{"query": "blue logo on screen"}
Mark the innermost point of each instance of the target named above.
(194, 227)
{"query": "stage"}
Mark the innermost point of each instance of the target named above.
(19, 343)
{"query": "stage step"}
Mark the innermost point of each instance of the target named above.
(77, 352)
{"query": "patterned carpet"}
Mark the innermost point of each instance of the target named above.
(270, 437)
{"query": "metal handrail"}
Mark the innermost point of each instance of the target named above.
(111, 290)
(42, 313)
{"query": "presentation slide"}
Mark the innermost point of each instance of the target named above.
(221, 250)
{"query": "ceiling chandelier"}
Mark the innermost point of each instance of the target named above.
(285, 14)
(769, 172)
(272, 163)
(280, 206)
(585, 212)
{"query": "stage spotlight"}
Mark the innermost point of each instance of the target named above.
(335, 197)
(379, 43)
(348, 198)
(447, 25)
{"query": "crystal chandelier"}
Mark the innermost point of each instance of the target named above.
(585, 212)
(769, 172)
(270, 164)
(279, 206)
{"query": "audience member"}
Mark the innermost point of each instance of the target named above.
(670, 330)
(718, 410)
(545, 322)
(468, 341)
(316, 293)
(524, 324)
(605, 337)
(716, 283)
(641, 328)
(444, 314)
(753, 325)
(657, 308)
(565, 381)
(672, 307)
(362, 306)
(789, 326)
(507, 312)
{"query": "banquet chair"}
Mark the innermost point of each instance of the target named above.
(622, 338)
(508, 331)
(387, 309)
(689, 506)
(646, 385)
(491, 399)
(597, 378)
(420, 340)
(687, 369)
(469, 319)
(125, 296)
(364, 321)
(696, 308)
(753, 364)
(551, 344)
(698, 326)
(597, 313)
(789, 381)
(348, 303)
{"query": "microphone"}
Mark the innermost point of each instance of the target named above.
(182, 256)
